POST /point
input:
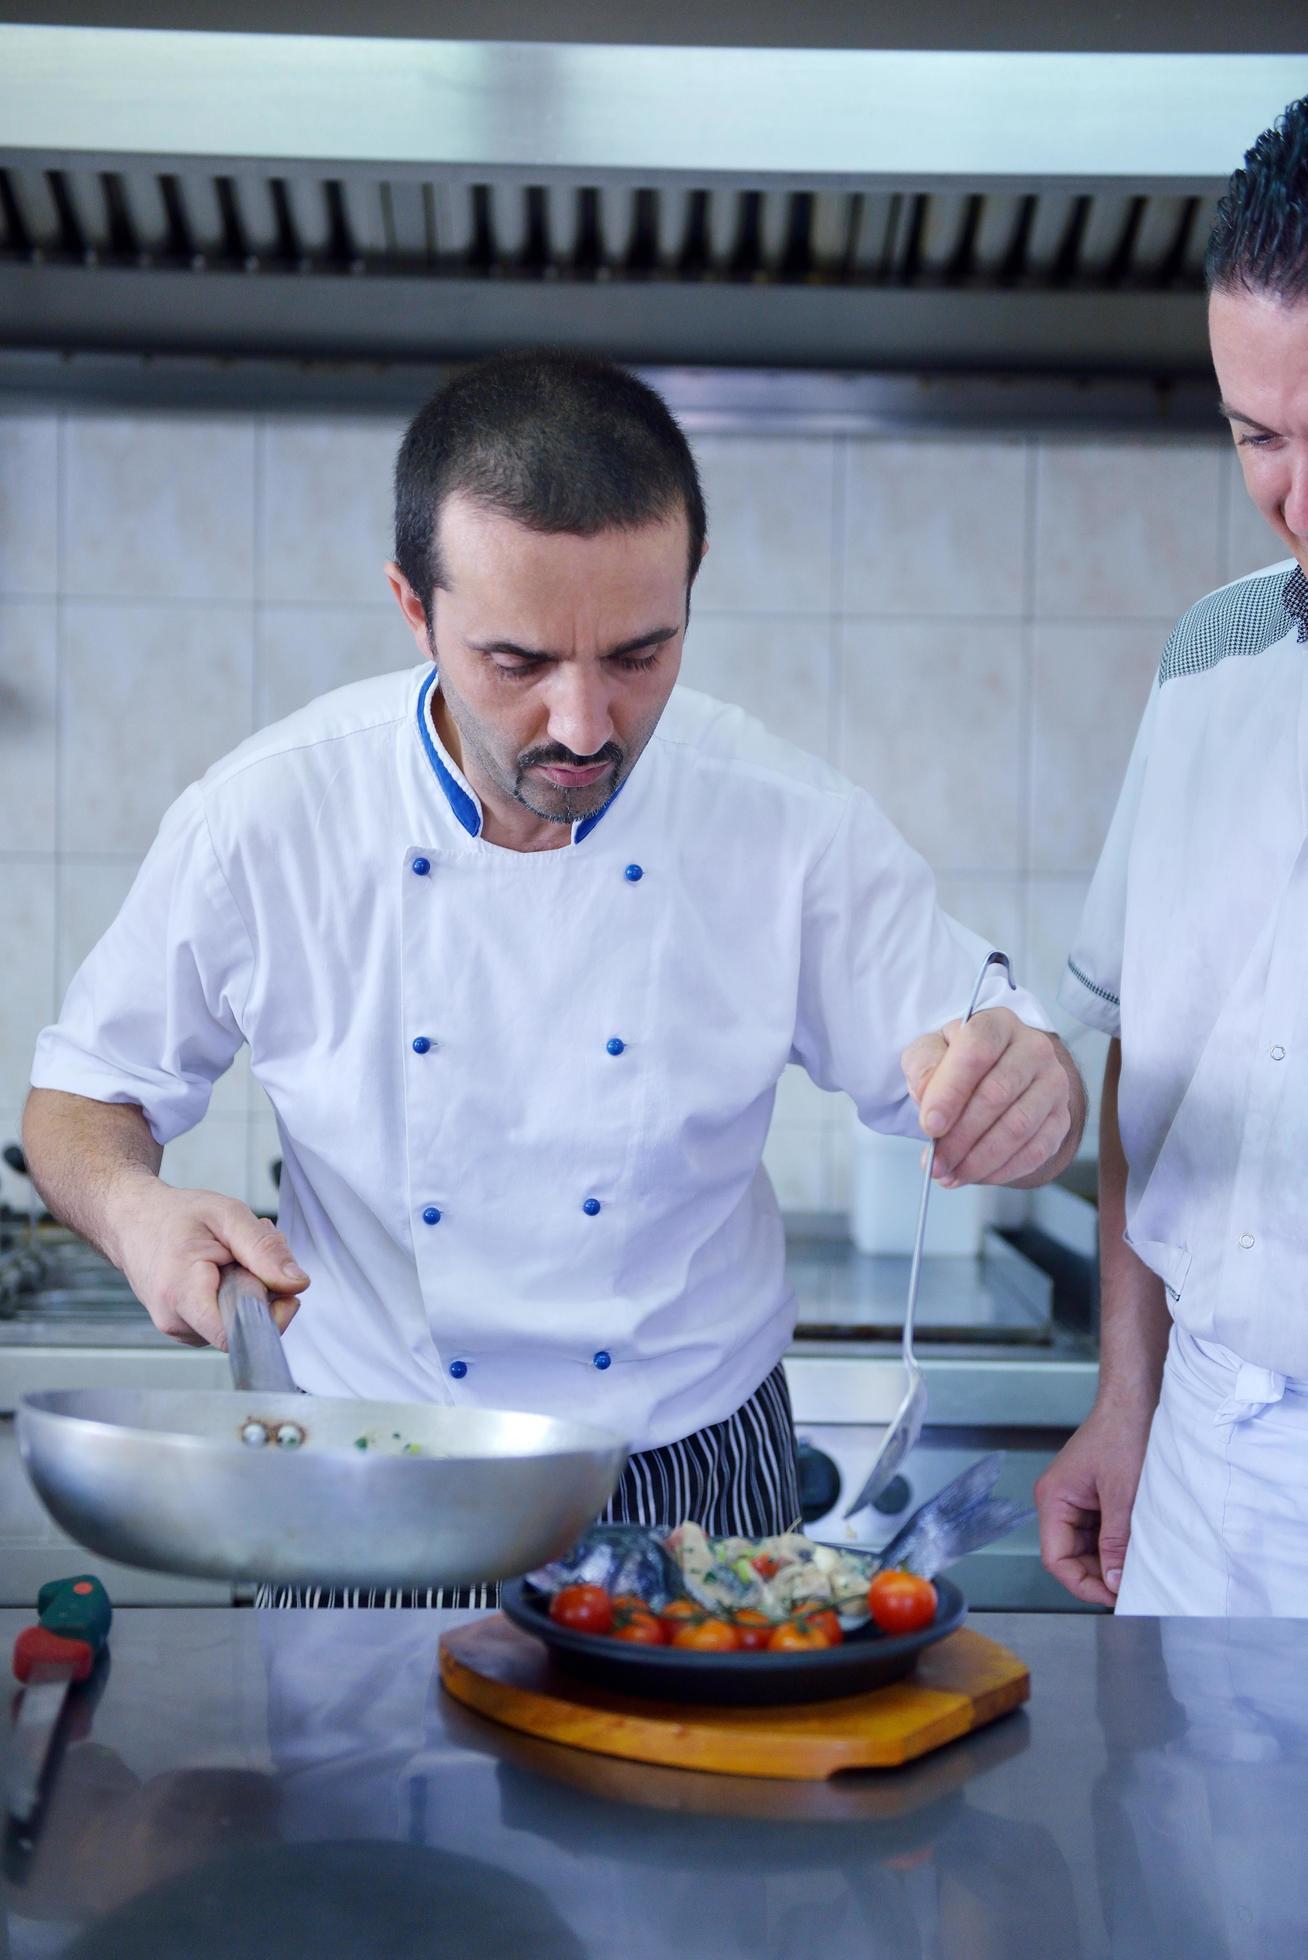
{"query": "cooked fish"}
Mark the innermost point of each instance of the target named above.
(959, 1519)
(623, 1558)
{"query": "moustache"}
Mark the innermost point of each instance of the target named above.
(555, 753)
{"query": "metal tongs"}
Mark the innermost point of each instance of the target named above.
(902, 1435)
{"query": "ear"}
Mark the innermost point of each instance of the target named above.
(703, 554)
(411, 606)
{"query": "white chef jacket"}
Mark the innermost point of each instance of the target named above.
(1193, 948)
(522, 1095)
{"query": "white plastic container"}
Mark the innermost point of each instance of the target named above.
(885, 1192)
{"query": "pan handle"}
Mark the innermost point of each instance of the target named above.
(254, 1347)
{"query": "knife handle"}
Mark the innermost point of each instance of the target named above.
(74, 1616)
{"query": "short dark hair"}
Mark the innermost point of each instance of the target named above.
(1260, 238)
(558, 442)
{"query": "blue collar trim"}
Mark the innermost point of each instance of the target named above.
(464, 806)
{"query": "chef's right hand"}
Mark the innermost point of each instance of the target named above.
(171, 1244)
(1084, 1500)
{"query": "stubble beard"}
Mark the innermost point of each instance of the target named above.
(554, 805)
(564, 805)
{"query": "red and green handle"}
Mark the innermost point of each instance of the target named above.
(73, 1625)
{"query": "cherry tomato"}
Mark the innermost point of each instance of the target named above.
(644, 1628)
(825, 1620)
(707, 1636)
(901, 1602)
(586, 1609)
(797, 1637)
(767, 1568)
(754, 1628)
(630, 1603)
(678, 1613)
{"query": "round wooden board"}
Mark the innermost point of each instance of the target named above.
(959, 1685)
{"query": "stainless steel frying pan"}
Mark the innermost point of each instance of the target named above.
(261, 1482)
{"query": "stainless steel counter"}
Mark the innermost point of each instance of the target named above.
(296, 1783)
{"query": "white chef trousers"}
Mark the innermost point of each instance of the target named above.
(1220, 1524)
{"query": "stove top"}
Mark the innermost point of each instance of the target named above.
(57, 1290)
(998, 1298)
(53, 1286)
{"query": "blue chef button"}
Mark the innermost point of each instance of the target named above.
(634, 871)
(431, 1216)
(602, 1359)
(592, 1207)
(420, 1044)
(614, 1046)
(420, 867)
(458, 1369)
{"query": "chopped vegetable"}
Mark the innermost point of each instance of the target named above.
(775, 1576)
(387, 1443)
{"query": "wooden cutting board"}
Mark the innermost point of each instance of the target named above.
(959, 1685)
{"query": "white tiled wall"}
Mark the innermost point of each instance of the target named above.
(967, 626)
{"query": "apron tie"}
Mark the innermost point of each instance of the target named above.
(1252, 1391)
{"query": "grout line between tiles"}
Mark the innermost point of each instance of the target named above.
(256, 547)
(1165, 621)
(60, 729)
(1026, 696)
(835, 634)
(71, 857)
(364, 608)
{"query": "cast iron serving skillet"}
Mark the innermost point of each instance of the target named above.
(866, 1659)
(260, 1482)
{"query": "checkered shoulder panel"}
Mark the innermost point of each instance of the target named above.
(1241, 619)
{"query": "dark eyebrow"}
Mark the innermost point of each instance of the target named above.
(1234, 415)
(659, 637)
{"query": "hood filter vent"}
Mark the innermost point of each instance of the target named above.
(362, 225)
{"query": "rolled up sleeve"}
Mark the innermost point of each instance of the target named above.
(882, 964)
(153, 1015)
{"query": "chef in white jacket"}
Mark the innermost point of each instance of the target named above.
(1192, 955)
(520, 940)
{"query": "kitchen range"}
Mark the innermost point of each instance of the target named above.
(69, 1320)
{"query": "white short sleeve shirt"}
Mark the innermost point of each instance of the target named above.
(1193, 948)
(522, 1096)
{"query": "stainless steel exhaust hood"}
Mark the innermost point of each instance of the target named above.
(312, 198)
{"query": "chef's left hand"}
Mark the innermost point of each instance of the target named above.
(1004, 1102)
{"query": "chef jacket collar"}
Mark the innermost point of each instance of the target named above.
(461, 797)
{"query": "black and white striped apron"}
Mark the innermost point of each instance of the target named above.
(735, 1478)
